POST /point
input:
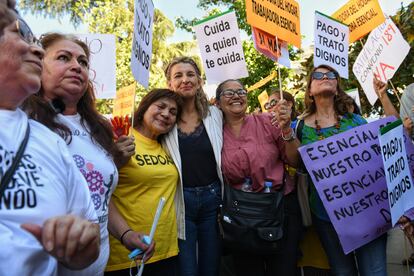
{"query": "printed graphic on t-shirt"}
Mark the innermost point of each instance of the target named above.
(21, 190)
(98, 188)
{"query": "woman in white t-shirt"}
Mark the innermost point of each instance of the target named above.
(66, 104)
(46, 214)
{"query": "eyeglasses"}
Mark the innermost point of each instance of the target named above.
(229, 93)
(26, 33)
(319, 75)
(270, 104)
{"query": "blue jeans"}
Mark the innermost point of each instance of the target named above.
(200, 253)
(371, 258)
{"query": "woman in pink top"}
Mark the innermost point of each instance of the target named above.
(255, 148)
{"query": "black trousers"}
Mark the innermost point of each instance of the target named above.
(166, 267)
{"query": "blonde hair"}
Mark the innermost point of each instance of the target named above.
(201, 101)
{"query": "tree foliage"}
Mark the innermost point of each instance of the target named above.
(117, 17)
(295, 80)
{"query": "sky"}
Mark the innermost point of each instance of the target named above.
(189, 9)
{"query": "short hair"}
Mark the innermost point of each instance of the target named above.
(153, 96)
(7, 16)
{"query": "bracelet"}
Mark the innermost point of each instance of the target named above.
(290, 138)
(121, 239)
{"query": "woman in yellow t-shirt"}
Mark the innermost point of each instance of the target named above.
(147, 175)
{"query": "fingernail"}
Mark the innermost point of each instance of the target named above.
(49, 246)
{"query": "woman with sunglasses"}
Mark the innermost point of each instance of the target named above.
(326, 114)
(46, 212)
(254, 148)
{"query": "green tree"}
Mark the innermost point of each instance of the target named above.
(295, 80)
(258, 65)
(116, 17)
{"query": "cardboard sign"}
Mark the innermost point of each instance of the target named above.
(221, 47)
(347, 172)
(280, 18)
(331, 44)
(102, 67)
(142, 41)
(263, 99)
(124, 101)
(361, 16)
(397, 170)
(381, 56)
(271, 47)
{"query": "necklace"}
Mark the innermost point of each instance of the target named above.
(319, 129)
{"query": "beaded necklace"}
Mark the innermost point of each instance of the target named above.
(319, 129)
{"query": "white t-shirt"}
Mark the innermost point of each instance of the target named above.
(101, 174)
(46, 184)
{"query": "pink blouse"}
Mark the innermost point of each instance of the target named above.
(258, 153)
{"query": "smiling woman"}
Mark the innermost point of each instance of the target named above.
(254, 148)
(147, 176)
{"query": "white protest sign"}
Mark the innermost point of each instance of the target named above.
(102, 67)
(142, 41)
(381, 56)
(221, 48)
(355, 95)
(331, 44)
(397, 170)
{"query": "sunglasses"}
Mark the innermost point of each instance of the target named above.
(319, 75)
(26, 33)
(229, 93)
(270, 104)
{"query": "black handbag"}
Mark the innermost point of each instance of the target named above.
(251, 222)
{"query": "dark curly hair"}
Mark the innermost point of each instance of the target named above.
(41, 110)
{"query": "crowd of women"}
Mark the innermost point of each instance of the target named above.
(76, 199)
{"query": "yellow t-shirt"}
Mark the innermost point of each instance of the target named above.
(149, 175)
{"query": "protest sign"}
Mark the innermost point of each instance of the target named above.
(331, 44)
(266, 44)
(102, 65)
(279, 18)
(142, 41)
(347, 172)
(262, 82)
(124, 101)
(397, 170)
(361, 16)
(263, 99)
(221, 47)
(355, 95)
(381, 56)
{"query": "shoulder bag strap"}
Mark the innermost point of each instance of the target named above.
(10, 172)
(298, 129)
